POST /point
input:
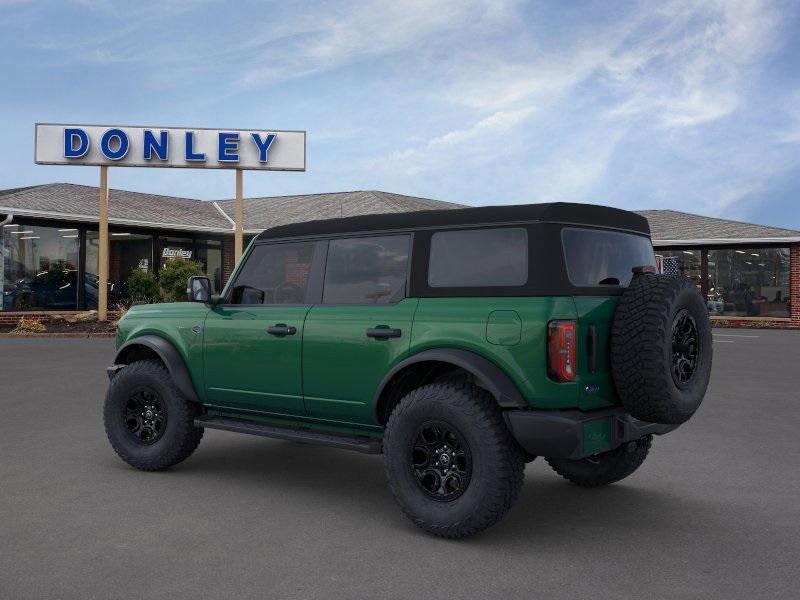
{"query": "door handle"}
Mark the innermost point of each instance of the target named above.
(383, 332)
(280, 329)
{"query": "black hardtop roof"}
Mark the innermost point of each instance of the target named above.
(555, 212)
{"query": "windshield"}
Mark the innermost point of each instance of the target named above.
(596, 257)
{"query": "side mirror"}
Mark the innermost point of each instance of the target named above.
(199, 289)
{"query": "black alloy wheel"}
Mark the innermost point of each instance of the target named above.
(441, 461)
(685, 348)
(145, 416)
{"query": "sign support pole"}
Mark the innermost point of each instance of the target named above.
(102, 256)
(238, 241)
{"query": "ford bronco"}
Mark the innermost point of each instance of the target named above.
(460, 344)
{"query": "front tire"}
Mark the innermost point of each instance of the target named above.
(451, 464)
(606, 468)
(148, 421)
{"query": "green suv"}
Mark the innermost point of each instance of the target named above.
(459, 344)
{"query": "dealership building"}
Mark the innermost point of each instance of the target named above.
(749, 274)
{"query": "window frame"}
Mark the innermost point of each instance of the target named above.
(313, 293)
(396, 298)
(490, 286)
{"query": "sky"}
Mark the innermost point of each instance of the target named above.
(691, 106)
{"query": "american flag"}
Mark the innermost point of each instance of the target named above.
(668, 265)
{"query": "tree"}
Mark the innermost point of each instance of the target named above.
(173, 277)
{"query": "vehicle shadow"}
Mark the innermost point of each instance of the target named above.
(548, 511)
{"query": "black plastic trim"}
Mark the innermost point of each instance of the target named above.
(169, 355)
(559, 434)
(304, 436)
(489, 375)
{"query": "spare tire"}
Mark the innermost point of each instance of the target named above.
(661, 348)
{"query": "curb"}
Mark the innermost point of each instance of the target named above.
(57, 335)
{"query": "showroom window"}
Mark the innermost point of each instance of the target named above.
(681, 262)
(749, 282)
(39, 267)
(128, 252)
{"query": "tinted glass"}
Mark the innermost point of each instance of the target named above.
(279, 272)
(38, 267)
(596, 258)
(749, 282)
(479, 258)
(366, 270)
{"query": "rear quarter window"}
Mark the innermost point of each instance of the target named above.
(597, 258)
(479, 258)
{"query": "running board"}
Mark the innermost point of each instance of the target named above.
(304, 436)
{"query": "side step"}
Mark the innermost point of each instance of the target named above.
(304, 436)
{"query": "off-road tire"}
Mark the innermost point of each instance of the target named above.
(605, 468)
(180, 436)
(497, 461)
(643, 351)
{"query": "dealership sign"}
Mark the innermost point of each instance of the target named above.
(110, 145)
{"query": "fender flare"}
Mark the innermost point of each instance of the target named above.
(490, 376)
(171, 358)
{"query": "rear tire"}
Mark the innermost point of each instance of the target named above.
(661, 348)
(451, 464)
(606, 468)
(149, 423)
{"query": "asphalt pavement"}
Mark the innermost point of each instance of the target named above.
(713, 513)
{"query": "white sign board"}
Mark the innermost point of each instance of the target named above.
(189, 148)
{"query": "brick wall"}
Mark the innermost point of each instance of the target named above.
(228, 259)
(794, 283)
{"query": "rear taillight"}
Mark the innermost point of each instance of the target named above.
(561, 350)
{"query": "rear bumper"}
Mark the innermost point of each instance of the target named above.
(576, 434)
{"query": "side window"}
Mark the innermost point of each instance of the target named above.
(479, 258)
(366, 270)
(274, 274)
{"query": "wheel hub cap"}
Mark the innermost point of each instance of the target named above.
(441, 461)
(685, 348)
(145, 416)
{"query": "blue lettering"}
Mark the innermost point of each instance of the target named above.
(228, 142)
(70, 137)
(190, 153)
(263, 145)
(159, 146)
(122, 147)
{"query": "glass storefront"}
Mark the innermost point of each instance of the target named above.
(681, 262)
(39, 268)
(749, 282)
(127, 252)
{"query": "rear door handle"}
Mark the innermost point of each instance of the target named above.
(383, 332)
(280, 329)
(591, 348)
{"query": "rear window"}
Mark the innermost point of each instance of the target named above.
(479, 258)
(597, 258)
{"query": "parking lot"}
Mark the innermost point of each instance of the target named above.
(713, 513)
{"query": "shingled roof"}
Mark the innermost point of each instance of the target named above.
(264, 213)
(70, 202)
(670, 227)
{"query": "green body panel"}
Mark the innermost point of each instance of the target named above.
(342, 367)
(463, 323)
(597, 389)
(174, 323)
(326, 375)
(247, 368)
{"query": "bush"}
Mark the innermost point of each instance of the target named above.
(25, 325)
(173, 278)
(143, 287)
